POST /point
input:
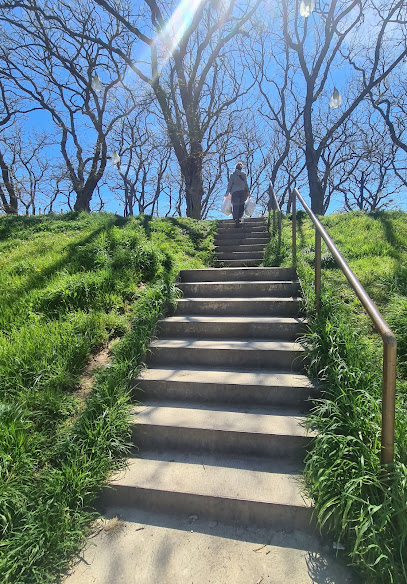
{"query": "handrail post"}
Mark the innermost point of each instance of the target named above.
(294, 228)
(388, 398)
(317, 270)
(279, 230)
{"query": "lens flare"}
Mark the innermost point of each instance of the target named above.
(177, 25)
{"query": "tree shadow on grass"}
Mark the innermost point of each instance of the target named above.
(389, 232)
(36, 280)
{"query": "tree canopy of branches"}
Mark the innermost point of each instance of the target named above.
(59, 72)
(188, 56)
(360, 43)
(187, 88)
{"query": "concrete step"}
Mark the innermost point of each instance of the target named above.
(250, 492)
(247, 220)
(241, 274)
(240, 289)
(252, 431)
(237, 263)
(232, 327)
(228, 353)
(239, 255)
(239, 247)
(247, 223)
(241, 233)
(226, 386)
(261, 306)
(245, 240)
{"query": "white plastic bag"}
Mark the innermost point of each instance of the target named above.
(249, 207)
(227, 205)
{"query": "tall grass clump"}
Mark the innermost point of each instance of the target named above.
(355, 502)
(343, 473)
(69, 285)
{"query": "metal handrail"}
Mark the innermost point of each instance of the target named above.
(388, 337)
(275, 207)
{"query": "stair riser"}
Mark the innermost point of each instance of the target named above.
(209, 393)
(230, 274)
(230, 308)
(240, 255)
(252, 221)
(241, 232)
(240, 289)
(237, 263)
(245, 224)
(239, 247)
(219, 441)
(231, 330)
(243, 227)
(227, 510)
(288, 360)
(241, 241)
(248, 219)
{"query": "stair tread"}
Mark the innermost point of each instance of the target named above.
(237, 319)
(241, 283)
(268, 481)
(237, 251)
(225, 344)
(241, 299)
(267, 378)
(258, 270)
(251, 419)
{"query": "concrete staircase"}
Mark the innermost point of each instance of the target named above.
(224, 395)
(213, 494)
(242, 246)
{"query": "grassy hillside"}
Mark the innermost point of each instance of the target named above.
(68, 286)
(343, 472)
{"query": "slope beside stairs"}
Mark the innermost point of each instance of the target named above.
(219, 432)
(213, 495)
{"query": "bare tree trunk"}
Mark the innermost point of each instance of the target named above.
(315, 187)
(192, 172)
(82, 202)
(11, 206)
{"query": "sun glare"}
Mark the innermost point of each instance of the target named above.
(178, 23)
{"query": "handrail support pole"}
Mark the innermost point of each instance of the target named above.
(317, 271)
(294, 228)
(388, 399)
(279, 230)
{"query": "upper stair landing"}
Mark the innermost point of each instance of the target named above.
(242, 245)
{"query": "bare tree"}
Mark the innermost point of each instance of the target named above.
(11, 109)
(30, 168)
(60, 73)
(145, 156)
(359, 32)
(373, 184)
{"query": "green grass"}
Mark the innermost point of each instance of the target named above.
(68, 285)
(343, 475)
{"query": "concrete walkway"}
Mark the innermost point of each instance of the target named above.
(138, 547)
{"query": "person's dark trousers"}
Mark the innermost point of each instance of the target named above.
(238, 201)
